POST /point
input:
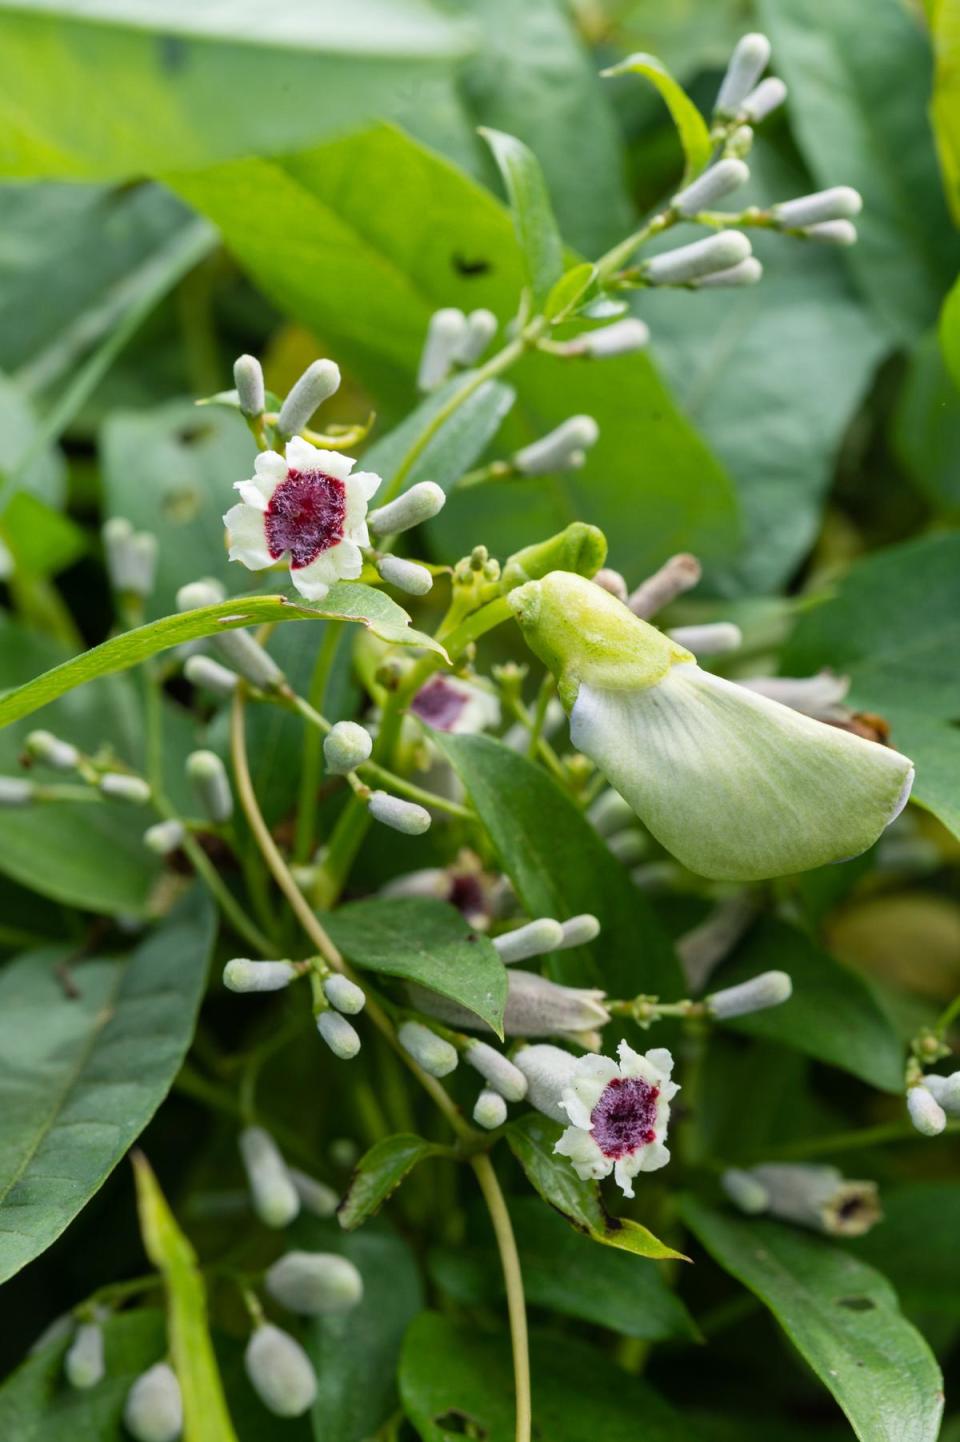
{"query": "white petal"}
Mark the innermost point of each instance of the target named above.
(661, 1059)
(624, 1172)
(248, 540)
(367, 482)
(653, 1157)
(302, 456)
(632, 1064)
(588, 1160)
(603, 1068)
(736, 786)
(576, 1108)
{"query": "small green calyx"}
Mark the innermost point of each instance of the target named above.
(580, 548)
(583, 634)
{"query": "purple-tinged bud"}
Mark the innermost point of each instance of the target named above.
(248, 379)
(535, 939)
(497, 1070)
(561, 449)
(84, 1365)
(926, 1113)
(750, 58)
(317, 384)
(437, 1057)
(209, 675)
(549, 1072)
(489, 1110)
(274, 1196)
(243, 976)
(421, 503)
(164, 837)
(211, 785)
(280, 1372)
(711, 186)
(403, 816)
(121, 787)
(407, 576)
(446, 337)
(770, 988)
(315, 1284)
(339, 1034)
(153, 1411)
(344, 994)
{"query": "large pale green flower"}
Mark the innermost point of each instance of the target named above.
(735, 785)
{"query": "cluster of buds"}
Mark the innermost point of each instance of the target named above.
(244, 655)
(453, 339)
(933, 1099)
(336, 997)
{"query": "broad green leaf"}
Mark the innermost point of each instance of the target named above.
(427, 942)
(926, 423)
(533, 217)
(691, 126)
(174, 82)
(915, 1244)
(949, 329)
(205, 1414)
(565, 1273)
(945, 105)
(842, 1317)
(346, 601)
(857, 107)
(43, 540)
(43, 475)
(531, 1139)
(84, 1073)
(458, 443)
(560, 867)
(454, 1379)
(379, 1173)
(832, 1014)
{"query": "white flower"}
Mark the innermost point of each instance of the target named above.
(618, 1115)
(309, 508)
(446, 703)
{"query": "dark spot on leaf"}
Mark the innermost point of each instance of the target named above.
(464, 265)
(856, 1304)
(172, 53)
(192, 435)
(459, 1424)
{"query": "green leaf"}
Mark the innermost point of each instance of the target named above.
(832, 1015)
(560, 867)
(531, 1139)
(944, 19)
(346, 601)
(569, 289)
(564, 1272)
(427, 942)
(85, 1072)
(205, 1414)
(858, 98)
(533, 217)
(42, 475)
(949, 329)
(842, 1317)
(379, 1173)
(926, 422)
(43, 541)
(455, 447)
(691, 126)
(915, 1245)
(454, 1379)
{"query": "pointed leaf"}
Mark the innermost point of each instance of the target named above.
(379, 1173)
(691, 126)
(533, 216)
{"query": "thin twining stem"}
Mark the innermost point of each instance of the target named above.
(513, 1280)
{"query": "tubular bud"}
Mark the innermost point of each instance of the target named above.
(211, 785)
(579, 931)
(710, 640)
(711, 186)
(561, 449)
(346, 746)
(489, 1110)
(610, 580)
(534, 939)
(681, 573)
(164, 837)
(481, 327)
(339, 1034)
(52, 751)
(840, 202)
(748, 272)
(770, 988)
(315, 1284)
(405, 575)
(833, 232)
(817, 1197)
(83, 1363)
(768, 96)
(926, 1113)
(945, 1091)
(437, 1057)
(280, 1372)
(242, 975)
(196, 594)
(131, 557)
(153, 1411)
(248, 379)
(497, 1070)
(317, 384)
(421, 503)
(274, 1196)
(745, 1191)
(404, 816)
(703, 257)
(16, 791)
(315, 1197)
(249, 658)
(121, 787)
(750, 58)
(209, 675)
(549, 1072)
(446, 337)
(344, 994)
(535, 1006)
(622, 337)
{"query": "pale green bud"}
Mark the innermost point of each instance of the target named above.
(446, 337)
(16, 791)
(714, 639)
(740, 143)
(153, 1411)
(926, 1113)
(689, 262)
(164, 837)
(274, 1196)
(120, 787)
(549, 1072)
(747, 63)
(197, 594)
(405, 575)
(316, 1197)
(344, 994)
(833, 232)
(339, 1034)
(562, 449)
(745, 1191)
(770, 988)
(315, 1284)
(52, 751)
(249, 658)
(211, 785)
(716, 182)
(747, 272)
(404, 816)
(818, 1197)
(243, 976)
(840, 202)
(346, 747)
(945, 1091)
(768, 96)
(580, 930)
(421, 503)
(481, 327)
(489, 1110)
(131, 557)
(579, 548)
(280, 1372)
(534, 939)
(317, 384)
(209, 675)
(437, 1057)
(248, 379)
(497, 1070)
(623, 337)
(83, 1364)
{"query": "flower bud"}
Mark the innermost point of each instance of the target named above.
(211, 785)
(437, 1057)
(274, 1196)
(534, 939)
(689, 262)
(249, 658)
(579, 548)
(421, 503)
(446, 337)
(209, 675)
(153, 1411)
(610, 813)
(833, 232)
(248, 379)
(481, 327)
(489, 1110)
(339, 1034)
(49, 749)
(549, 1072)
(612, 581)
(344, 994)
(768, 96)
(316, 1197)
(745, 1191)
(497, 1070)
(740, 143)
(681, 573)
(399, 815)
(748, 272)
(703, 947)
(579, 931)
(817, 1197)
(315, 1284)
(121, 787)
(711, 186)
(405, 575)
(535, 1006)
(945, 1091)
(710, 640)
(770, 988)
(164, 837)
(280, 1372)
(926, 1113)
(242, 975)
(561, 449)
(317, 384)
(747, 63)
(16, 791)
(623, 337)
(131, 557)
(83, 1364)
(53, 1333)
(840, 202)
(346, 746)
(196, 594)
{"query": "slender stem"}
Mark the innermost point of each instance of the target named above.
(231, 908)
(849, 1141)
(947, 1017)
(539, 744)
(540, 714)
(513, 1279)
(311, 764)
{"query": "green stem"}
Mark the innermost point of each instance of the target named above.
(312, 761)
(948, 1017)
(513, 1280)
(848, 1141)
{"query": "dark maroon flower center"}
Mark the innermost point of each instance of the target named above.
(439, 704)
(306, 516)
(624, 1118)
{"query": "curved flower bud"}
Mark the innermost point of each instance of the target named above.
(689, 262)
(49, 749)
(618, 1115)
(274, 1197)
(83, 1364)
(421, 503)
(747, 63)
(315, 1284)
(164, 837)
(346, 747)
(549, 1071)
(446, 338)
(209, 675)
(534, 939)
(248, 379)
(926, 1113)
(716, 182)
(317, 384)
(562, 449)
(436, 1056)
(579, 931)
(242, 975)
(121, 787)
(735, 786)
(768, 96)
(770, 988)
(211, 785)
(344, 994)
(481, 327)
(280, 1372)
(315, 1197)
(153, 1411)
(714, 639)
(405, 575)
(496, 1069)
(489, 1110)
(340, 1035)
(840, 202)
(405, 816)
(817, 1197)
